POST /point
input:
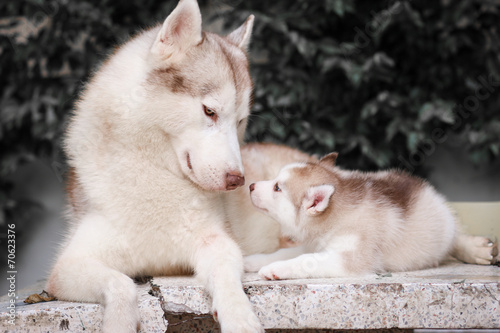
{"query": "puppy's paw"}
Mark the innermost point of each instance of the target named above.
(483, 250)
(279, 270)
(254, 262)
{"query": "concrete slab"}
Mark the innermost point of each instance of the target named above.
(453, 296)
(59, 316)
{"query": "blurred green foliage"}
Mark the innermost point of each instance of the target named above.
(372, 80)
(377, 81)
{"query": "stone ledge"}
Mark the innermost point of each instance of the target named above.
(60, 316)
(453, 296)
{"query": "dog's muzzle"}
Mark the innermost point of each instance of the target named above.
(234, 181)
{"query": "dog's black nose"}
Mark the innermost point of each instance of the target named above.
(252, 187)
(234, 181)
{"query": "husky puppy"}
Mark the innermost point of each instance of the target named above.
(254, 231)
(154, 140)
(353, 223)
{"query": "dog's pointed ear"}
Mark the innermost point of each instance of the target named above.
(329, 160)
(181, 30)
(317, 199)
(241, 36)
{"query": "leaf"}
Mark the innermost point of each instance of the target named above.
(379, 158)
(413, 15)
(495, 148)
(326, 138)
(477, 137)
(340, 7)
(306, 48)
(392, 129)
(370, 109)
(276, 24)
(412, 141)
(37, 298)
(330, 47)
(440, 109)
(479, 156)
(330, 63)
(278, 129)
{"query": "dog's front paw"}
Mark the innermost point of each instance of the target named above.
(254, 262)
(248, 324)
(239, 319)
(279, 270)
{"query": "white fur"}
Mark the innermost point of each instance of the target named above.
(256, 261)
(309, 265)
(296, 263)
(275, 204)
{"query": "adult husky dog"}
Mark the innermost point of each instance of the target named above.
(154, 140)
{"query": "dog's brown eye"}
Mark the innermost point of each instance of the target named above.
(277, 188)
(209, 112)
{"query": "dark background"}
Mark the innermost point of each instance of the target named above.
(408, 84)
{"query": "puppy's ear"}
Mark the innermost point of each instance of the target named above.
(317, 199)
(329, 160)
(181, 30)
(241, 36)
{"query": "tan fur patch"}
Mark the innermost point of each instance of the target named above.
(395, 187)
(75, 194)
(196, 79)
(239, 68)
(353, 189)
(71, 185)
(286, 242)
(392, 188)
(399, 188)
(172, 79)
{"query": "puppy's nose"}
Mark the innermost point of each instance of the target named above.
(234, 181)
(252, 187)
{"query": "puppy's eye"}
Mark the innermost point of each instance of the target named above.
(277, 188)
(209, 112)
(241, 121)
